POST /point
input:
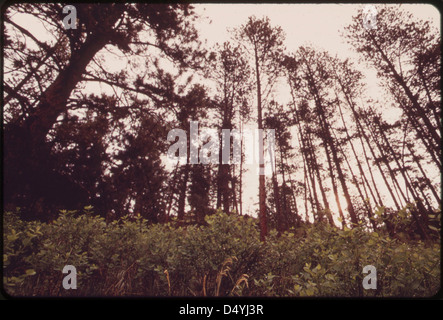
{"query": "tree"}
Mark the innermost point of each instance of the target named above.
(42, 80)
(264, 44)
(193, 106)
(283, 196)
(231, 72)
(200, 183)
(313, 82)
(405, 53)
(138, 180)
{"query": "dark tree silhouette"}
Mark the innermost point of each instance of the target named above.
(42, 82)
(264, 44)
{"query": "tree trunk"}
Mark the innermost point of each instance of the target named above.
(363, 133)
(328, 140)
(182, 196)
(360, 167)
(416, 110)
(53, 100)
(428, 182)
(262, 186)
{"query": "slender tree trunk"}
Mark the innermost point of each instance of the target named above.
(312, 166)
(240, 195)
(262, 186)
(432, 150)
(378, 200)
(278, 208)
(409, 187)
(286, 208)
(320, 110)
(184, 187)
(428, 95)
(307, 185)
(428, 181)
(328, 140)
(234, 190)
(219, 177)
(310, 162)
(182, 195)
(172, 190)
(320, 184)
(333, 182)
(354, 179)
(383, 157)
(363, 133)
(318, 206)
(416, 110)
(360, 168)
(341, 177)
(278, 213)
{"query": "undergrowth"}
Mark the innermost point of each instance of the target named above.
(223, 257)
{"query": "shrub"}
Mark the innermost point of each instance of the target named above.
(130, 257)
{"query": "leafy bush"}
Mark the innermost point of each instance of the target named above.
(223, 257)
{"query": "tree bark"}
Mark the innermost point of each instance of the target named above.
(262, 186)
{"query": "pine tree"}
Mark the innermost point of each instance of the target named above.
(264, 44)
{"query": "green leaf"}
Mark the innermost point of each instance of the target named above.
(12, 237)
(333, 257)
(30, 272)
(310, 292)
(330, 277)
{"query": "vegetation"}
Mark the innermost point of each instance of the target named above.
(222, 257)
(354, 179)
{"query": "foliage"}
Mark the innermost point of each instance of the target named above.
(224, 256)
(64, 145)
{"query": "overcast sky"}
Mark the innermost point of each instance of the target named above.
(319, 24)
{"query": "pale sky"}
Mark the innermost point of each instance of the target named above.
(319, 24)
